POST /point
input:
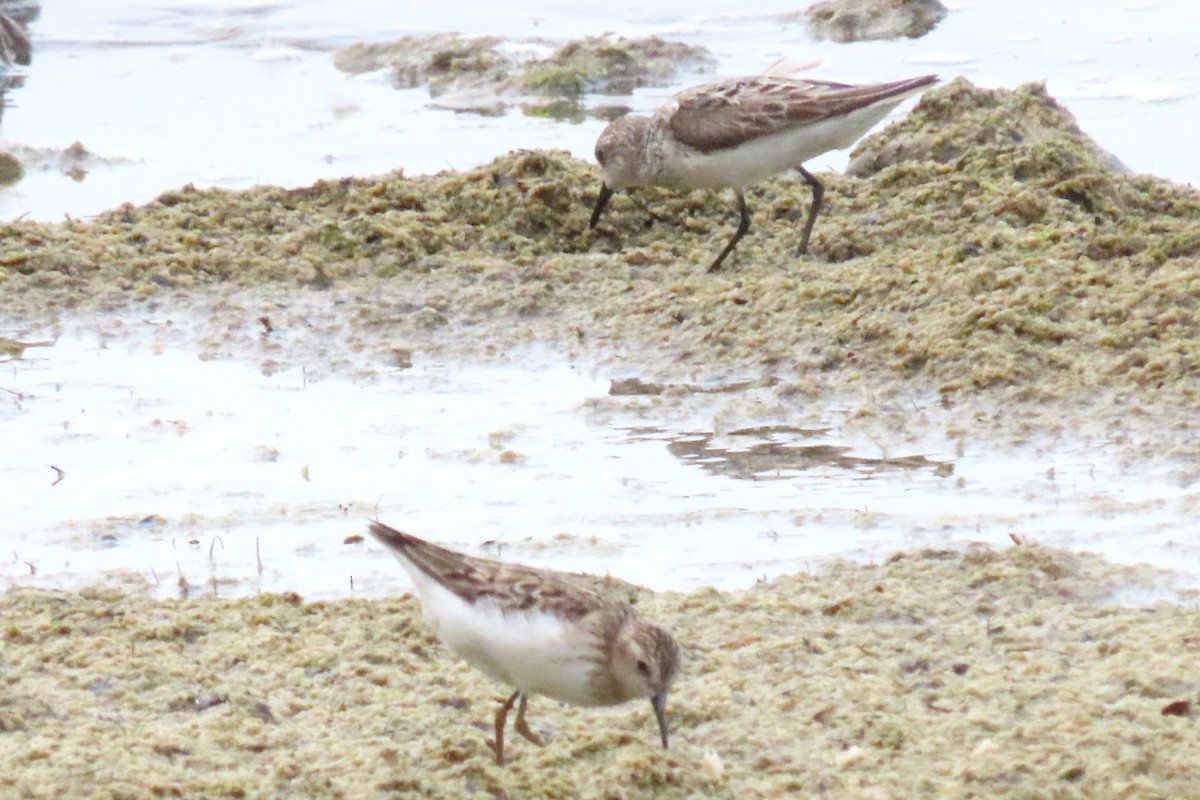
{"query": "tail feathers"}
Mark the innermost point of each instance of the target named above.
(392, 537)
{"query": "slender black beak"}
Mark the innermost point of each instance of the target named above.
(601, 201)
(659, 701)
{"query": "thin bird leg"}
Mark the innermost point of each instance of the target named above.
(742, 227)
(524, 729)
(818, 194)
(502, 717)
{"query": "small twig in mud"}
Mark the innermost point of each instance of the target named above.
(213, 545)
(15, 394)
(61, 475)
(258, 555)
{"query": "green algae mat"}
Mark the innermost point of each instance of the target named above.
(937, 674)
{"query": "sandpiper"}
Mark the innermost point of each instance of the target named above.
(539, 631)
(737, 132)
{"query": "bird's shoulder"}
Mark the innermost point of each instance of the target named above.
(728, 113)
(516, 588)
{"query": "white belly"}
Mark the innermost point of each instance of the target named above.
(759, 159)
(532, 651)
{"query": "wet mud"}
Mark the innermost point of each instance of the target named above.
(985, 252)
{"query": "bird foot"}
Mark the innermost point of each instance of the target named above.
(523, 728)
(528, 733)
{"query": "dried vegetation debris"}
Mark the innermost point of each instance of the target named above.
(937, 673)
(998, 252)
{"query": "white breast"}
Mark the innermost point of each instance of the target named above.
(535, 652)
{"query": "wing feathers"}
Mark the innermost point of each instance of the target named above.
(729, 113)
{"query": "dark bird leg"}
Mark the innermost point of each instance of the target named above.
(742, 227)
(501, 718)
(601, 201)
(522, 728)
(818, 194)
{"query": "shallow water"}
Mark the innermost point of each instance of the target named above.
(224, 94)
(246, 475)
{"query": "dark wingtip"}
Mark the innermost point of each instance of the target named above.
(601, 201)
(389, 535)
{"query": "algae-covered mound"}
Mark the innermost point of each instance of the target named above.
(993, 247)
(612, 65)
(937, 674)
(861, 20)
(486, 73)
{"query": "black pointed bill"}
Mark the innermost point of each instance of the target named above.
(601, 201)
(659, 701)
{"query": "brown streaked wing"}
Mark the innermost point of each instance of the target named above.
(730, 113)
(513, 587)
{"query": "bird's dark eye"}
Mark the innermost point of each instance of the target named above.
(643, 668)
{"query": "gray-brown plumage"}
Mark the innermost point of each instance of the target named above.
(737, 132)
(540, 631)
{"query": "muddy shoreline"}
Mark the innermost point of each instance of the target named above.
(1007, 674)
(987, 254)
(992, 256)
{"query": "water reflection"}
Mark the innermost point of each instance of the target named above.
(779, 452)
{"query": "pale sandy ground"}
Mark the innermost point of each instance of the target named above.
(937, 674)
(1001, 264)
